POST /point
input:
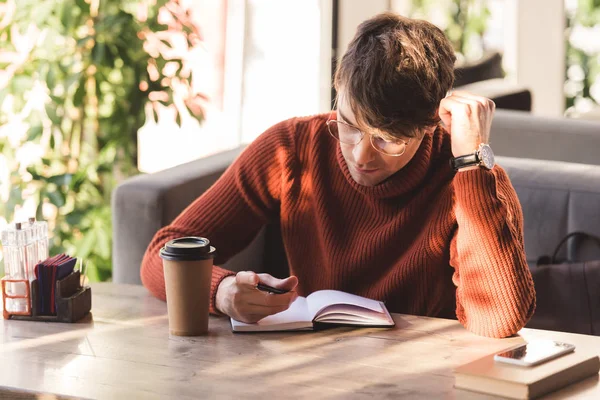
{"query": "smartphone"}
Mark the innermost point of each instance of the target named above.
(534, 352)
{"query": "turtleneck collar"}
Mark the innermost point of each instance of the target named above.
(411, 176)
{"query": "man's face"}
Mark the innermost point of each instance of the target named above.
(367, 166)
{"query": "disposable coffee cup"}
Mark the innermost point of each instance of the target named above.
(187, 264)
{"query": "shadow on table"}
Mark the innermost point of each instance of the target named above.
(18, 394)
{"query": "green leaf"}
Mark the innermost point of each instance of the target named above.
(20, 84)
(103, 168)
(51, 112)
(72, 79)
(103, 243)
(79, 178)
(60, 180)
(91, 270)
(83, 6)
(83, 41)
(104, 273)
(56, 99)
(34, 133)
(51, 78)
(65, 16)
(57, 198)
(34, 174)
(79, 93)
(15, 197)
(39, 215)
(99, 52)
(74, 218)
(42, 12)
(85, 246)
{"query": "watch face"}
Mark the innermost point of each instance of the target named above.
(486, 156)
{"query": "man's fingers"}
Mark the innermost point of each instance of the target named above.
(467, 95)
(445, 114)
(257, 312)
(469, 107)
(272, 300)
(250, 318)
(485, 103)
(265, 310)
(452, 106)
(456, 104)
(288, 283)
(247, 278)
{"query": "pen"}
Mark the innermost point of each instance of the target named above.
(267, 288)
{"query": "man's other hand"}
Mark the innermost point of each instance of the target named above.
(238, 297)
(468, 118)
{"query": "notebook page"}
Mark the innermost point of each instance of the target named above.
(344, 313)
(295, 317)
(317, 301)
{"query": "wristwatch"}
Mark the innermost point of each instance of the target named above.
(483, 157)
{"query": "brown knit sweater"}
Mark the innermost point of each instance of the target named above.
(426, 241)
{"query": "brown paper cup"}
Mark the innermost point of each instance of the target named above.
(187, 264)
(188, 292)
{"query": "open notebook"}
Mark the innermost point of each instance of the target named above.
(323, 306)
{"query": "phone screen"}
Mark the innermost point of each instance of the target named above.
(535, 351)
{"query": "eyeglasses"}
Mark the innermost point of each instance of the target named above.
(349, 134)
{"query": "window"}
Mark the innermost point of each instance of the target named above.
(265, 61)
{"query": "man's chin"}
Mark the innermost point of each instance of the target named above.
(366, 180)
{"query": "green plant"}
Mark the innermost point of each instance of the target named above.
(76, 78)
(582, 78)
(463, 21)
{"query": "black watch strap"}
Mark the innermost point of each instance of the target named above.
(464, 161)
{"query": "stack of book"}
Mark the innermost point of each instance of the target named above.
(486, 375)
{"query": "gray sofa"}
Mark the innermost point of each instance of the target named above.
(557, 197)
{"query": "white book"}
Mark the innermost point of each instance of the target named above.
(323, 306)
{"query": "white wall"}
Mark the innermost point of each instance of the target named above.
(534, 51)
(282, 63)
(351, 14)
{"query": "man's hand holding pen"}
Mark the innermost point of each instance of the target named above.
(249, 297)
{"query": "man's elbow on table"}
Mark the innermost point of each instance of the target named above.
(500, 322)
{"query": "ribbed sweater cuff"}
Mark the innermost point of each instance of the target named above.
(218, 274)
(474, 185)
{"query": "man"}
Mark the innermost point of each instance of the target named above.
(376, 198)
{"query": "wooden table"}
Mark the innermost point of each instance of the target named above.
(124, 351)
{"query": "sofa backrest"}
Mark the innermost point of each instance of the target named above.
(557, 198)
(521, 134)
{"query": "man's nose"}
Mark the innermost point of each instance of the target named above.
(363, 152)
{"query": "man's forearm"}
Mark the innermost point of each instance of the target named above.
(495, 294)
